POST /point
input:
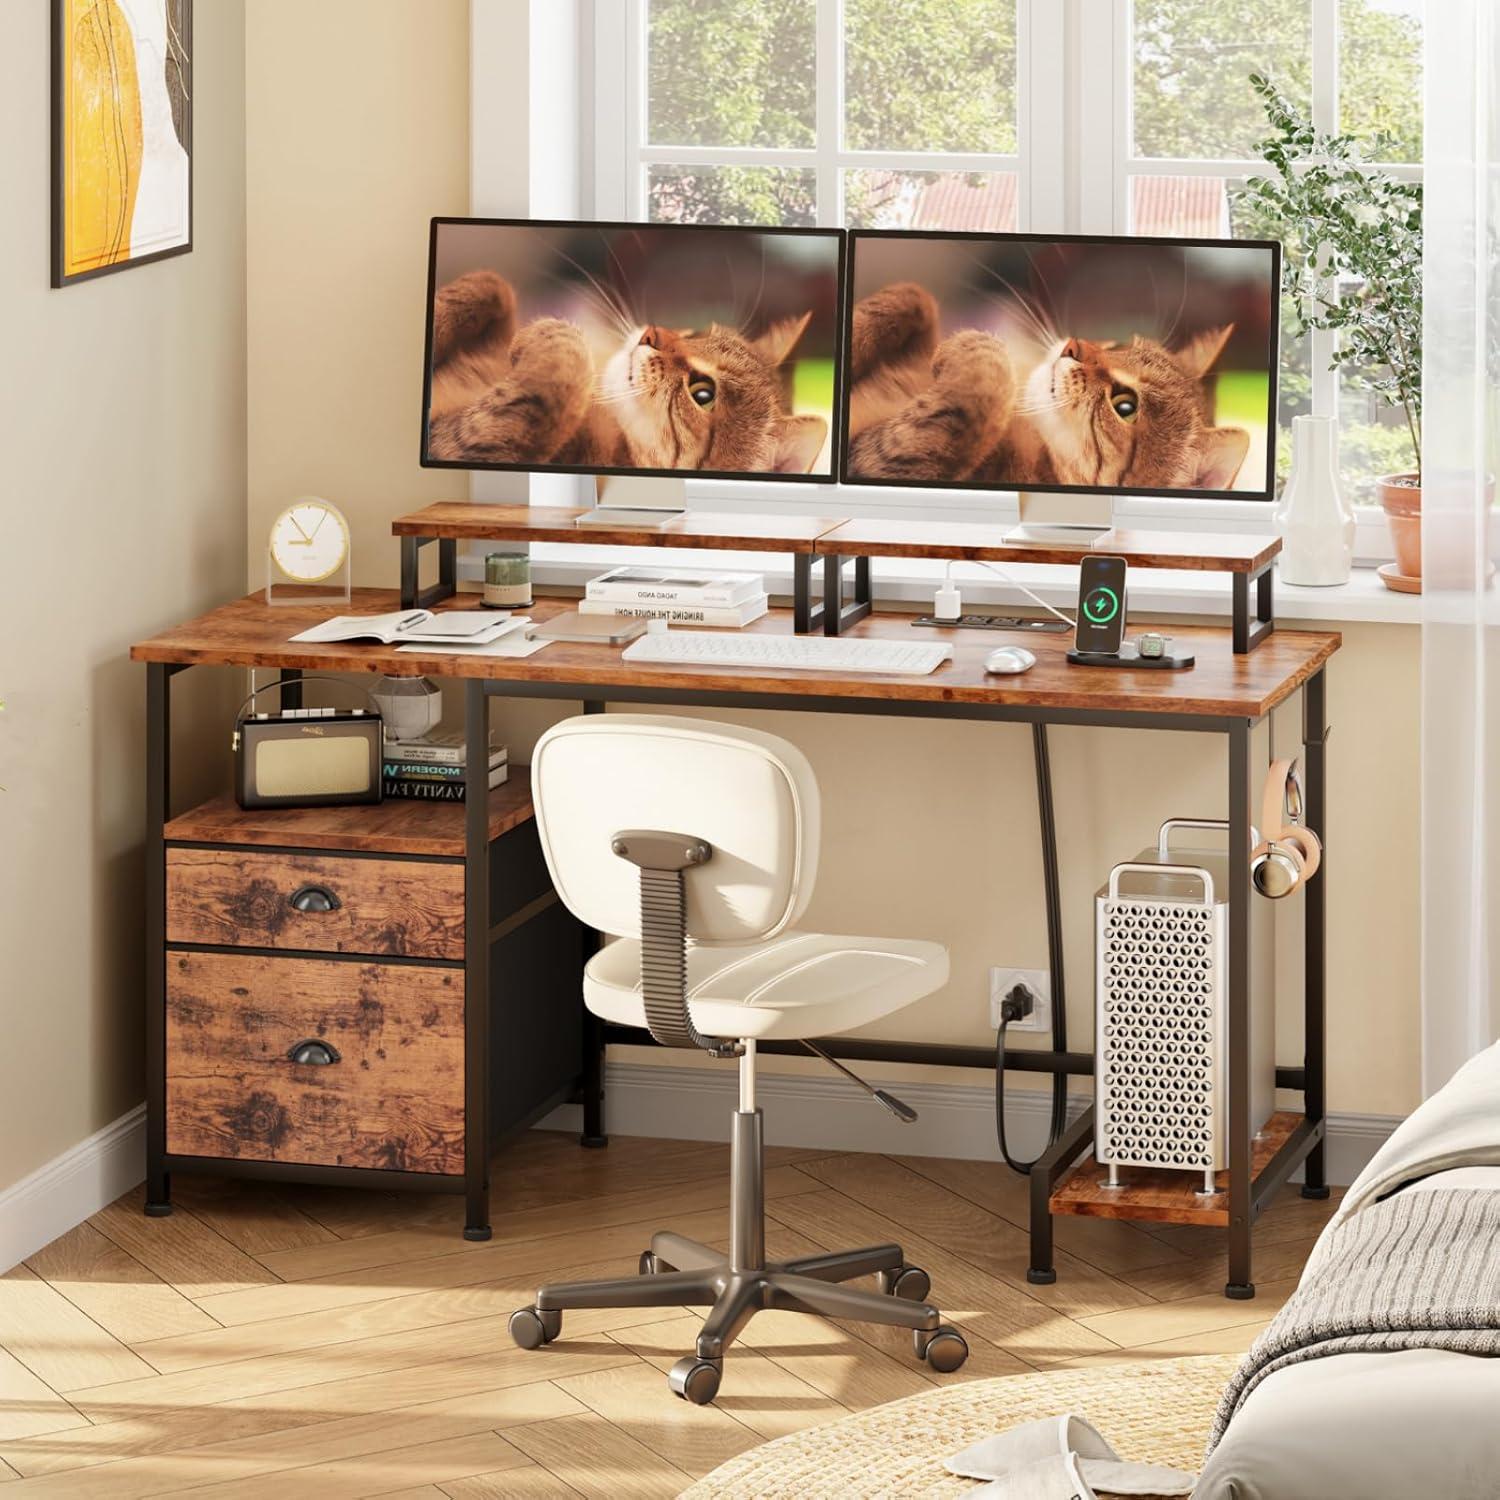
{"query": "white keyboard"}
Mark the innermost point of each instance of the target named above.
(794, 653)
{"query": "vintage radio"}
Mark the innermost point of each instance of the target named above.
(306, 757)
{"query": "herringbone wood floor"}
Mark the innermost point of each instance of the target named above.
(292, 1342)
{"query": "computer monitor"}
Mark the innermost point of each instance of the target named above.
(1064, 366)
(633, 350)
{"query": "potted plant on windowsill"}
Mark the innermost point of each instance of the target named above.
(1352, 241)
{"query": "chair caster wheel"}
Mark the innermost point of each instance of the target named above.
(653, 1265)
(532, 1327)
(943, 1348)
(910, 1283)
(695, 1379)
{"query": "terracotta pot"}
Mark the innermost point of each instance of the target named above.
(1401, 499)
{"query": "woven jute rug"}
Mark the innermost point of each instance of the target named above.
(1151, 1413)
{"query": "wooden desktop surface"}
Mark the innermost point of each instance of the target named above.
(247, 633)
(977, 541)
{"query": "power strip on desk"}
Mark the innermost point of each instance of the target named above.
(996, 622)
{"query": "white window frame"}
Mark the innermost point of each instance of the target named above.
(1074, 161)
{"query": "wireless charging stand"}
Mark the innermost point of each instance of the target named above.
(1129, 655)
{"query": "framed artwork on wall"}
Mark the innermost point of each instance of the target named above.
(122, 135)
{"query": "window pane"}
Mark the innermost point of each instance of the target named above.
(1373, 440)
(1209, 208)
(1380, 73)
(929, 75)
(929, 200)
(1190, 207)
(723, 73)
(1193, 60)
(732, 195)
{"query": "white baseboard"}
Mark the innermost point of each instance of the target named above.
(954, 1119)
(71, 1187)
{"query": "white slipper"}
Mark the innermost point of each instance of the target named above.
(1052, 1438)
(1055, 1478)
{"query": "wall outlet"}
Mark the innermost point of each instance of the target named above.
(1038, 981)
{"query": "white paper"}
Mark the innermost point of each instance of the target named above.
(516, 644)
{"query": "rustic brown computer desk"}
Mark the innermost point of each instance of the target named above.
(1228, 693)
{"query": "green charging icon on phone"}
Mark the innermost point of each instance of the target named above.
(1101, 605)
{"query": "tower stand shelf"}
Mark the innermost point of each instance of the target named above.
(834, 543)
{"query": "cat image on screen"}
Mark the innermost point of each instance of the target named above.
(972, 406)
(657, 397)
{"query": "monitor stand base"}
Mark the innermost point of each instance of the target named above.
(1068, 520)
(631, 516)
(647, 501)
(1059, 535)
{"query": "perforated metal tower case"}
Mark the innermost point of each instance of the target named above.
(1162, 1010)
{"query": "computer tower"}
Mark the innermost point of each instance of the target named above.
(1162, 1010)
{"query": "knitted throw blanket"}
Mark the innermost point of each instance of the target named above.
(1415, 1271)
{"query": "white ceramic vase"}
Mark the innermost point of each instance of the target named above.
(1315, 520)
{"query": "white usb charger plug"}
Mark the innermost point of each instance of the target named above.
(947, 603)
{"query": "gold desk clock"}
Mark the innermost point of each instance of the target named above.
(309, 545)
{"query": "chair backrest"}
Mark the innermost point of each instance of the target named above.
(751, 796)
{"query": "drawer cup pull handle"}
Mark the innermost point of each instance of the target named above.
(315, 1054)
(313, 898)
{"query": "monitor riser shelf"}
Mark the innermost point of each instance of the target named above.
(831, 545)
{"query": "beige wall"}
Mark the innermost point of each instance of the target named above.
(931, 828)
(357, 133)
(122, 427)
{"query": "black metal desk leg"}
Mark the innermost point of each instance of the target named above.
(1240, 1125)
(1041, 1271)
(1046, 1172)
(594, 1135)
(477, 999)
(158, 807)
(1315, 935)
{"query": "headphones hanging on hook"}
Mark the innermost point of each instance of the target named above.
(1288, 854)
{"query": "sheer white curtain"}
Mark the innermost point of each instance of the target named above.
(1460, 609)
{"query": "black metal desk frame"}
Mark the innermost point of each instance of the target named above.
(1248, 1195)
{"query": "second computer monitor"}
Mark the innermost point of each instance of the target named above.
(1062, 363)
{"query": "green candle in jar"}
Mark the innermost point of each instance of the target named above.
(507, 580)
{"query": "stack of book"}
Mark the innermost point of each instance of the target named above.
(432, 767)
(683, 596)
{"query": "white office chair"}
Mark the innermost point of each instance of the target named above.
(696, 845)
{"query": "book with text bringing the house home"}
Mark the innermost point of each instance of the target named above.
(686, 586)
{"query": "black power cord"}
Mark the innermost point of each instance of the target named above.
(1013, 1007)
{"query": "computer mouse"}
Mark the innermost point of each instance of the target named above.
(1008, 660)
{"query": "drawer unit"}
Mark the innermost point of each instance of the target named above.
(321, 1010)
(321, 904)
(387, 1093)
